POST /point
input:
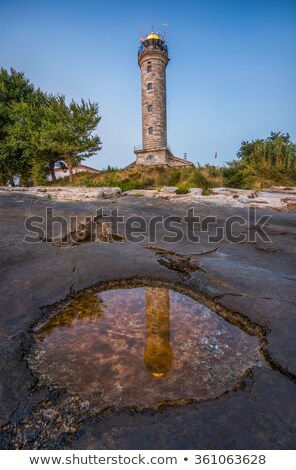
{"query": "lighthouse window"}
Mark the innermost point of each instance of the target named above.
(149, 108)
(149, 68)
(150, 130)
(150, 157)
(149, 86)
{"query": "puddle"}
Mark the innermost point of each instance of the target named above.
(140, 346)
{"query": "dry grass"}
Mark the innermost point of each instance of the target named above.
(139, 177)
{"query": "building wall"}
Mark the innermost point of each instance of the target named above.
(157, 119)
(160, 157)
(62, 174)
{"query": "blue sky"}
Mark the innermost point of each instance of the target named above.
(232, 74)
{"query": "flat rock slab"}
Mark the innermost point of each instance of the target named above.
(276, 198)
(238, 420)
(66, 193)
(251, 284)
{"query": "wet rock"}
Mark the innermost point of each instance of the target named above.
(250, 286)
(249, 418)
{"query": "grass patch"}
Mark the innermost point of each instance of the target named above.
(139, 177)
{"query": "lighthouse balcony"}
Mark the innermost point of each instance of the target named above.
(140, 148)
(151, 44)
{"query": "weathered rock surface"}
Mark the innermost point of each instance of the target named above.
(195, 191)
(278, 198)
(169, 189)
(275, 197)
(251, 284)
(66, 193)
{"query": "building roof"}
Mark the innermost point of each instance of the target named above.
(79, 167)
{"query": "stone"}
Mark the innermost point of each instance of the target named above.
(219, 191)
(277, 198)
(99, 193)
(143, 192)
(232, 192)
(67, 193)
(111, 192)
(195, 191)
(169, 189)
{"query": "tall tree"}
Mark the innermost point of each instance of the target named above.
(39, 131)
(14, 88)
(68, 130)
(24, 133)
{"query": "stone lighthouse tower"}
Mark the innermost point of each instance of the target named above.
(153, 59)
(158, 353)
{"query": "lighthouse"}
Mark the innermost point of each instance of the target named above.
(158, 353)
(153, 59)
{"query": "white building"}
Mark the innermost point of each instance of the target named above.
(62, 172)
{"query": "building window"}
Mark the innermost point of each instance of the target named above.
(150, 157)
(149, 68)
(149, 108)
(150, 130)
(149, 86)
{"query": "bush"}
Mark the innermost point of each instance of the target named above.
(263, 163)
(182, 189)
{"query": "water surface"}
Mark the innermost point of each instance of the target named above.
(141, 346)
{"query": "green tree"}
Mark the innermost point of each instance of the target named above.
(67, 130)
(14, 88)
(24, 133)
(39, 131)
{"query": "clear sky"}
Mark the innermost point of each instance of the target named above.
(232, 74)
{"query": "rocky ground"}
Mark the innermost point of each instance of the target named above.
(250, 283)
(277, 197)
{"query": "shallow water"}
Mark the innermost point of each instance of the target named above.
(141, 346)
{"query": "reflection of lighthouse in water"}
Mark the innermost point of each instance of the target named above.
(158, 353)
